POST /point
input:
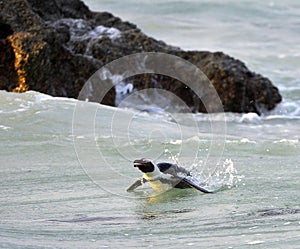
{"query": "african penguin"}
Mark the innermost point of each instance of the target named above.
(164, 176)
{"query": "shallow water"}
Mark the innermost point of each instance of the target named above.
(65, 164)
(63, 185)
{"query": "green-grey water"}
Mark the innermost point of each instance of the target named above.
(57, 191)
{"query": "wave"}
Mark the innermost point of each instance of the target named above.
(35, 102)
(285, 110)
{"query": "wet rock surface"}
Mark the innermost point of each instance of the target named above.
(55, 46)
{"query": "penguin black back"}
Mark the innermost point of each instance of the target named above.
(172, 169)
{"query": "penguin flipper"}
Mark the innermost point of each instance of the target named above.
(137, 183)
(195, 185)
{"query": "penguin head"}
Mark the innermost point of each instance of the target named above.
(145, 165)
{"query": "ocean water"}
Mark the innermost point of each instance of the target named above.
(66, 164)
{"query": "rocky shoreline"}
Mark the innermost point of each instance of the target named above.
(54, 47)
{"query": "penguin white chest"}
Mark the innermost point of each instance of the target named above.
(159, 183)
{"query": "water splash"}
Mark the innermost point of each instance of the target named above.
(225, 177)
(84, 34)
(171, 156)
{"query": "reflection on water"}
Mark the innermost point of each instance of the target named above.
(173, 195)
(160, 205)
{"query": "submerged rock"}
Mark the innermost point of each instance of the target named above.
(54, 46)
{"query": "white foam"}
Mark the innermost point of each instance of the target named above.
(124, 88)
(42, 97)
(82, 30)
(122, 91)
(3, 127)
(246, 140)
(176, 142)
(282, 56)
(250, 117)
(194, 139)
(112, 33)
(287, 141)
(285, 110)
(255, 242)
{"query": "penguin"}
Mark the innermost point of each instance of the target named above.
(164, 176)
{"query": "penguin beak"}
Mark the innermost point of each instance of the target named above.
(138, 163)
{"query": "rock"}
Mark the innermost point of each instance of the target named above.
(36, 55)
(239, 89)
(54, 47)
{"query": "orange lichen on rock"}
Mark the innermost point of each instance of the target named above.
(24, 50)
(21, 58)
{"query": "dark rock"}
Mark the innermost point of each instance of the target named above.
(36, 57)
(54, 46)
(239, 89)
(8, 75)
(5, 30)
(56, 9)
